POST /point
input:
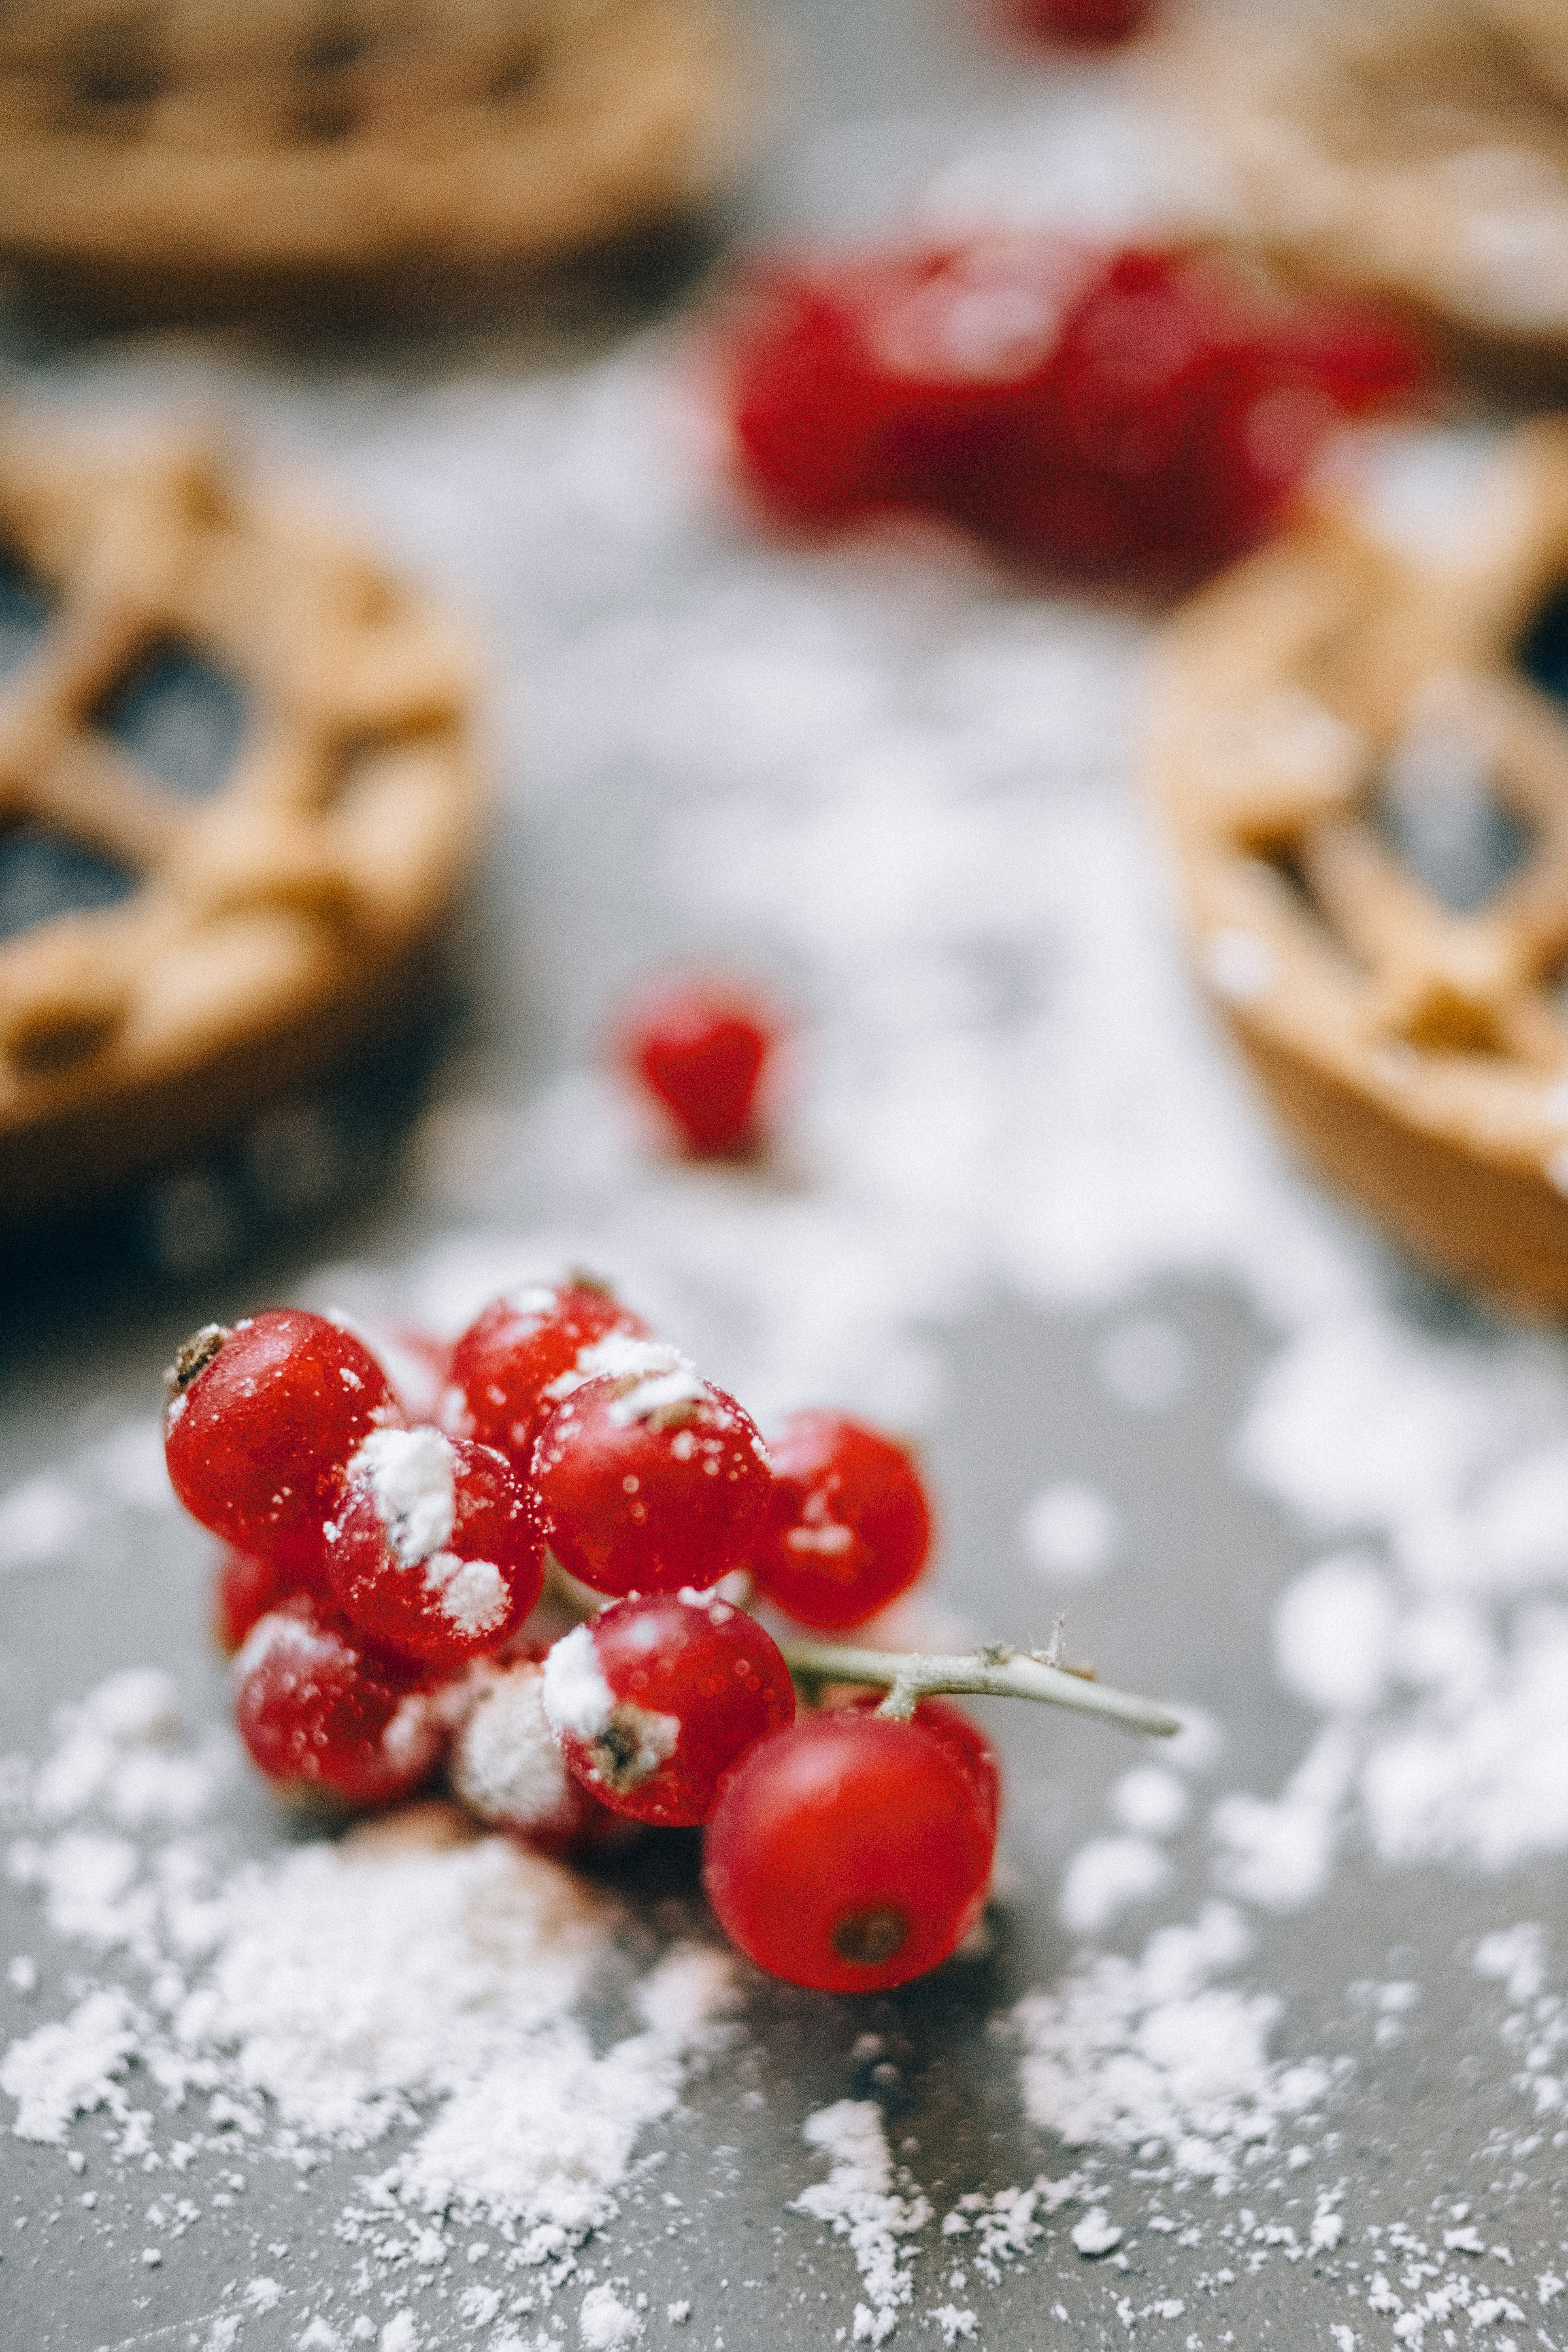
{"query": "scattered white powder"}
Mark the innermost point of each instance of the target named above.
(1333, 1633)
(859, 2201)
(911, 786)
(605, 2322)
(1150, 1801)
(1154, 2054)
(1107, 1876)
(411, 1476)
(39, 1520)
(1071, 1531)
(1095, 2233)
(71, 2068)
(411, 1975)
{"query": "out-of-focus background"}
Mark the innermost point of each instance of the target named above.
(1281, 2007)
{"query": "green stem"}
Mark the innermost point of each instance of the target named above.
(997, 1671)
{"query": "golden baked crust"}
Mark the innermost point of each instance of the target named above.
(273, 923)
(194, 139)
(1413, 148)
(1417, 1055)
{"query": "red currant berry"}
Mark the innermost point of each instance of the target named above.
(655, 1700)
(507, 1767)
(245, 1587)
(849, 1853)
(847, 1525)
(1137, 417)
(318, 1712)
(701, 1051)
(519, 1345)
(963, 1740)
(433, 1548)
(261, 1419)
(1087, 23)
(650, 1480)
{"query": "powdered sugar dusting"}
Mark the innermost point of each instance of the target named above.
(576, 1696)
(1158, 2055)
(474, 1593)
(859, 2201)
(507, 1765)
(410, 1475)
(415, 1978)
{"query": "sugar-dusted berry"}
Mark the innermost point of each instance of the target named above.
(507, 1766)
(260, 1420)
(515, 1352)
(849, 1853)
(847, 1526)
(320, 1712)
(701, 1051)
(433, 1548)
(650, 1478)
(657, 1698)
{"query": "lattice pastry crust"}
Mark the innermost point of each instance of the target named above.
(1416, 149)
(1418, 1056)
(194, 139)
(275, 923)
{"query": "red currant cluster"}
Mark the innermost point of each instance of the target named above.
(383, 1576)
(1137, 417)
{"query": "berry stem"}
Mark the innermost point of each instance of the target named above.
(997, 1671)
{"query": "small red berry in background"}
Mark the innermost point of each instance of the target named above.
(319, 1712)
(651, 1479)
(1084, 24)
(244, 1589)
(435, 1548)
(262, 1419)
(701, 1052)
(847, 1528)
(656, 1699)
(849, 1853)
(507, 1767)
(1126, 419)
(515, 1348)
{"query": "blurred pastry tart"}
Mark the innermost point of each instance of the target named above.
(1357, 752)
(178, 144)
(1414, 149)
(238, 792)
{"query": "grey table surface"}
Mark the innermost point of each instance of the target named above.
(1005, 1378)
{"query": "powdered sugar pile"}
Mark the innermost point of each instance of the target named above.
(1153, 2055)
(413, 1979)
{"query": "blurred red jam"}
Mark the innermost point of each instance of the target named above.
(1131, 419)
(1079, 24)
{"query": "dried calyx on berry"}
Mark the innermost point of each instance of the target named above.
(193, 1356)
